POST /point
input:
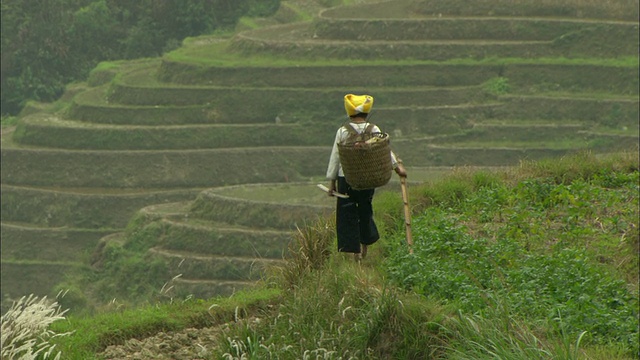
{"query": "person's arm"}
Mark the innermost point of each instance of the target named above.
(398, 166)
(332, 187)
(400, 170)
(334, 165)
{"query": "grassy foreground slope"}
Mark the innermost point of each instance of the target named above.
(538, 261)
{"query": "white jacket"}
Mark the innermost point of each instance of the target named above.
(335, 168)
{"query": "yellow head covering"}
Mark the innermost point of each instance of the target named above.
(355, 104)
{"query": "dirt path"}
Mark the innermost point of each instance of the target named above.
(188, 344)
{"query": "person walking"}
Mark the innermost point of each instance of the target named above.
(355, 227)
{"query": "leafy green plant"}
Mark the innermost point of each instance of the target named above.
(528, 245)
(8, 120)
(482, 335)
(497, 86)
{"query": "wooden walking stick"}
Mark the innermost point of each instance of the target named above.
(407, 212)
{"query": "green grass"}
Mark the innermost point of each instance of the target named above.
(8, 121)
(301, 15)
(594, 95)
(540, 144)
(615, 131)
(218, 54)
(248, 23)
(93, 334)
(107, 65)
(288, 193)
(536, 261)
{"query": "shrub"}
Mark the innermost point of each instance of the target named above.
(497, 86)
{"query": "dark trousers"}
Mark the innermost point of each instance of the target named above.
(354, 218)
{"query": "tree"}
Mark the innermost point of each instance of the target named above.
(49, 43)
(36, 62)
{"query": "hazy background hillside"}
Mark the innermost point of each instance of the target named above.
(46, 45)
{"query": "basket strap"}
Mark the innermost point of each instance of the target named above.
(369, 129)
(355, 135)
(350, 128)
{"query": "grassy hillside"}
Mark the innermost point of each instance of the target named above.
(537, 261)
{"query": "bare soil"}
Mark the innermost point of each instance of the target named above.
(188, 344)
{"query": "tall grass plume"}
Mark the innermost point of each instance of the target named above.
(309, 250)
(25, 329)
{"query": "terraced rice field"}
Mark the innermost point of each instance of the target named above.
(179, 139)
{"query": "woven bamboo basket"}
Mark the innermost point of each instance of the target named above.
(366, 165)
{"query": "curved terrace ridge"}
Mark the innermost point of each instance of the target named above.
(409, 9)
